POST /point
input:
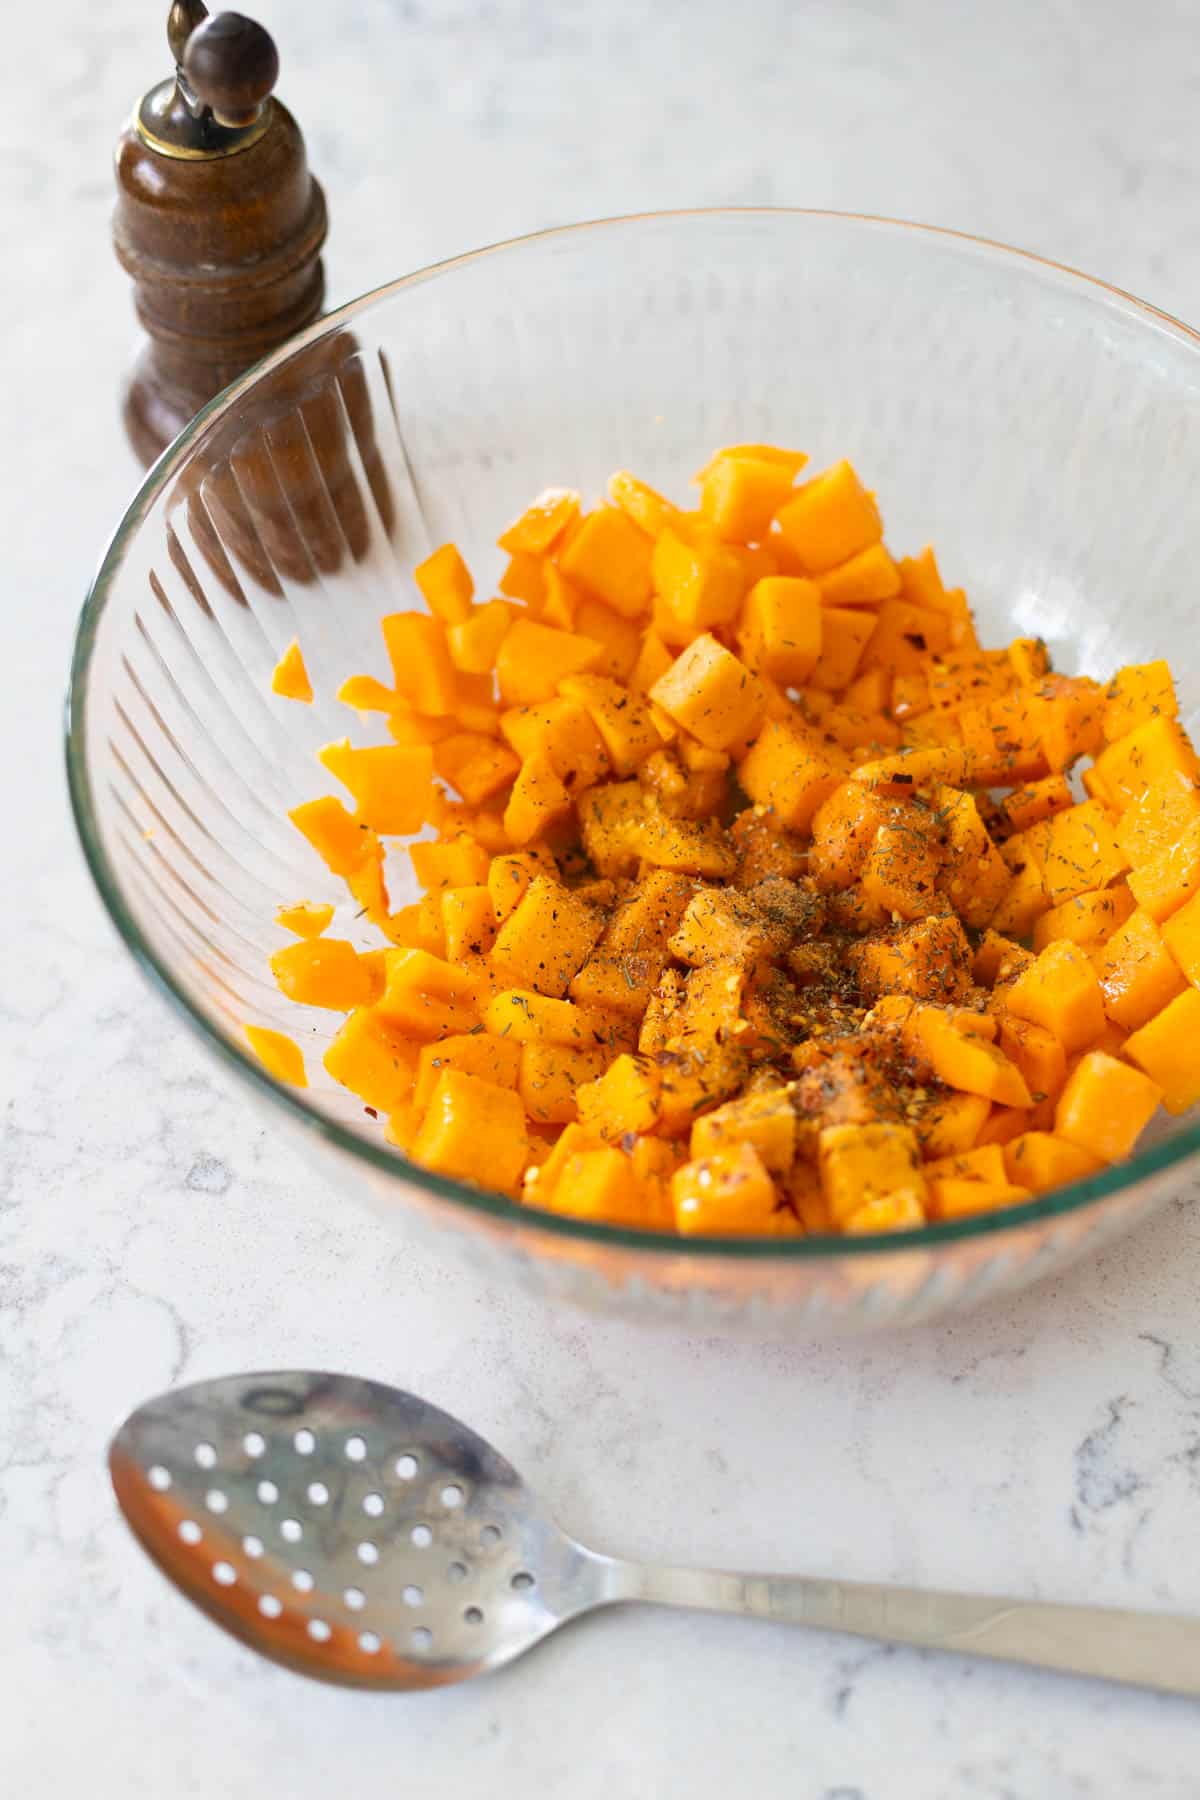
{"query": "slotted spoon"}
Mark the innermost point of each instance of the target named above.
(359, 1535)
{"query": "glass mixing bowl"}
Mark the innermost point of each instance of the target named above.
(1040, 428)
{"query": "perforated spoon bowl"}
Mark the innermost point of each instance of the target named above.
(359, 1535)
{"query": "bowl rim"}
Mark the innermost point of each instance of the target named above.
(707, 1250)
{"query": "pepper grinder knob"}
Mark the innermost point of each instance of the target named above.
(231, 65)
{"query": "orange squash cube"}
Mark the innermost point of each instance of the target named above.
(551, 1077)
(622, 722)
(1162, 883)
(493, 1059)
(1138, 976)
(1039, 1161)
(699, 586)
(1165, 1049)
(861, 580)
(456, 862)
(710, 694)
(533, 659)
(1037, 1053)
(425, 996)
(860, 1163)
(390, 783)
(1135, 694)
(421, 668)
(791, 771)
(1158, 817)
(1060, 991)
(445, 581)
(1149, 753)
(324, 972)
(844, 636)
(781, 628)
(1081, 852)
(610, 556)
(280, 1055)
(290, 679)
(1181, 934)
(343, 843)
(1086, 920)
(830, 519)
(542, 523)
(1105, 1106)
(740, 495)
(473, 1131)
(538, 802)
(966, 1061)
(546, 939)
(373, 1060)
(727, 1193)
(468, 922)
(305, 920)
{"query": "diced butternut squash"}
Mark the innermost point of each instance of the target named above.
(1162, 883)
(1087, 919)
(533, 659)
(713, 797)
(1165, 1049)
(610, 556)
(546, 939)
(727, 1193)
(861, 1163)
(551, 1077)
(699, 586)
(781, 630)
(389, 782)
(1138, 975)
(830, 519)
(791, 771)
(374, 1060)
(1137, 694)
(289, 678)
(445, 581)
(280, 1055)
(1060, 992)
(305, 920)
(1105, 1106)
(473, 1131)
(322, 972)
(1039, 1161)
(493, 1059)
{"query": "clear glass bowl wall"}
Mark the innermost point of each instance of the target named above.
(1042, 430)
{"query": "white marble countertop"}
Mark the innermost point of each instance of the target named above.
(152, 1230)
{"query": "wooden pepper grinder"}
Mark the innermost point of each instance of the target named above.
(218, 221)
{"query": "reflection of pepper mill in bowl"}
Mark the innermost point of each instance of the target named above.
(218, 221)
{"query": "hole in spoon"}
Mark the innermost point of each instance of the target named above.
(319, 1631)
(302, 1581)
(368, 1553)
(159, 1478)
(252, 1546)
(317, 1492)
(215, 1500)
(491, 1534)
(355, 1599)
(291, 1530)
(267, 1492)
(473, 1616)
(456, 1572)
(421, 1638)
(522, 1579)
(355, 1449)
(372, 1505)
(368, 1641)
(224, 1574)
(406, 1467)
(189, 1531)
(304, 1442)
(421, 1536)
(269, 1606)
(413, 1596)
(452, 1495)
(206, 1456)
(254, 1443)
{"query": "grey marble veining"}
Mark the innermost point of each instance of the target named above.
(151, 1228)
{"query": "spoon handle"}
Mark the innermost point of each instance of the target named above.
(1157, 1650)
